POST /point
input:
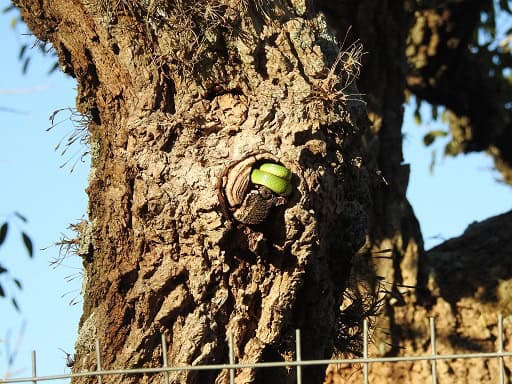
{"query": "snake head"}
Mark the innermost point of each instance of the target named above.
(252, 186)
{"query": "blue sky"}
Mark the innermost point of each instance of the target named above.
(460, 191)
(51, 197)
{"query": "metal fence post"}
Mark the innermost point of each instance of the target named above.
(500, 349)
(98, 361)
(299, 363)
(365, 350)
(164, 358)
(231, 359)
(298, 356)
(34, 368)
(433, 349)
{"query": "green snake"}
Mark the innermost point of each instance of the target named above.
(273, 176)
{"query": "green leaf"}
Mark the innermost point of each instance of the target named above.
(20, 216)
(22, 52)
(3, 232)
(15, 304)
(8, 8)
(24, 68)
(54, 67)
(28, 244)
(2, 292)
(13, 22)
(2, 270)
(18, 283)
(432, 162)
(417, 117)
(504, 5)
(431, 136)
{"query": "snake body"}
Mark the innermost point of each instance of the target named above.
(273, 176)
(250, 187)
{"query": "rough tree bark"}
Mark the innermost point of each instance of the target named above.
(394, 233)
(177, 91)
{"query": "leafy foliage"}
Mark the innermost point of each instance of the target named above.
(467, 71)
(6, 278)
(3, 232)
(28, 244)
(429, 138)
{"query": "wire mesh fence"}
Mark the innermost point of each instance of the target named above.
(297, 363)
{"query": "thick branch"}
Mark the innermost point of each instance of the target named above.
(473, 264)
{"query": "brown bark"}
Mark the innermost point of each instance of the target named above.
(394, 232)
(177, 91)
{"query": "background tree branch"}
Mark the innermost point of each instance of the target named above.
(450, 66)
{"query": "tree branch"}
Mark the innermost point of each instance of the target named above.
(473, 264)
(449, 68)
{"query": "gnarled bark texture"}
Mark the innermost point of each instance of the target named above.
(176, 91)
(394, 232)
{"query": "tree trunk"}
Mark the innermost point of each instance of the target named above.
(184, 99)
(178, 93)
(410, 275)
(390, 261)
